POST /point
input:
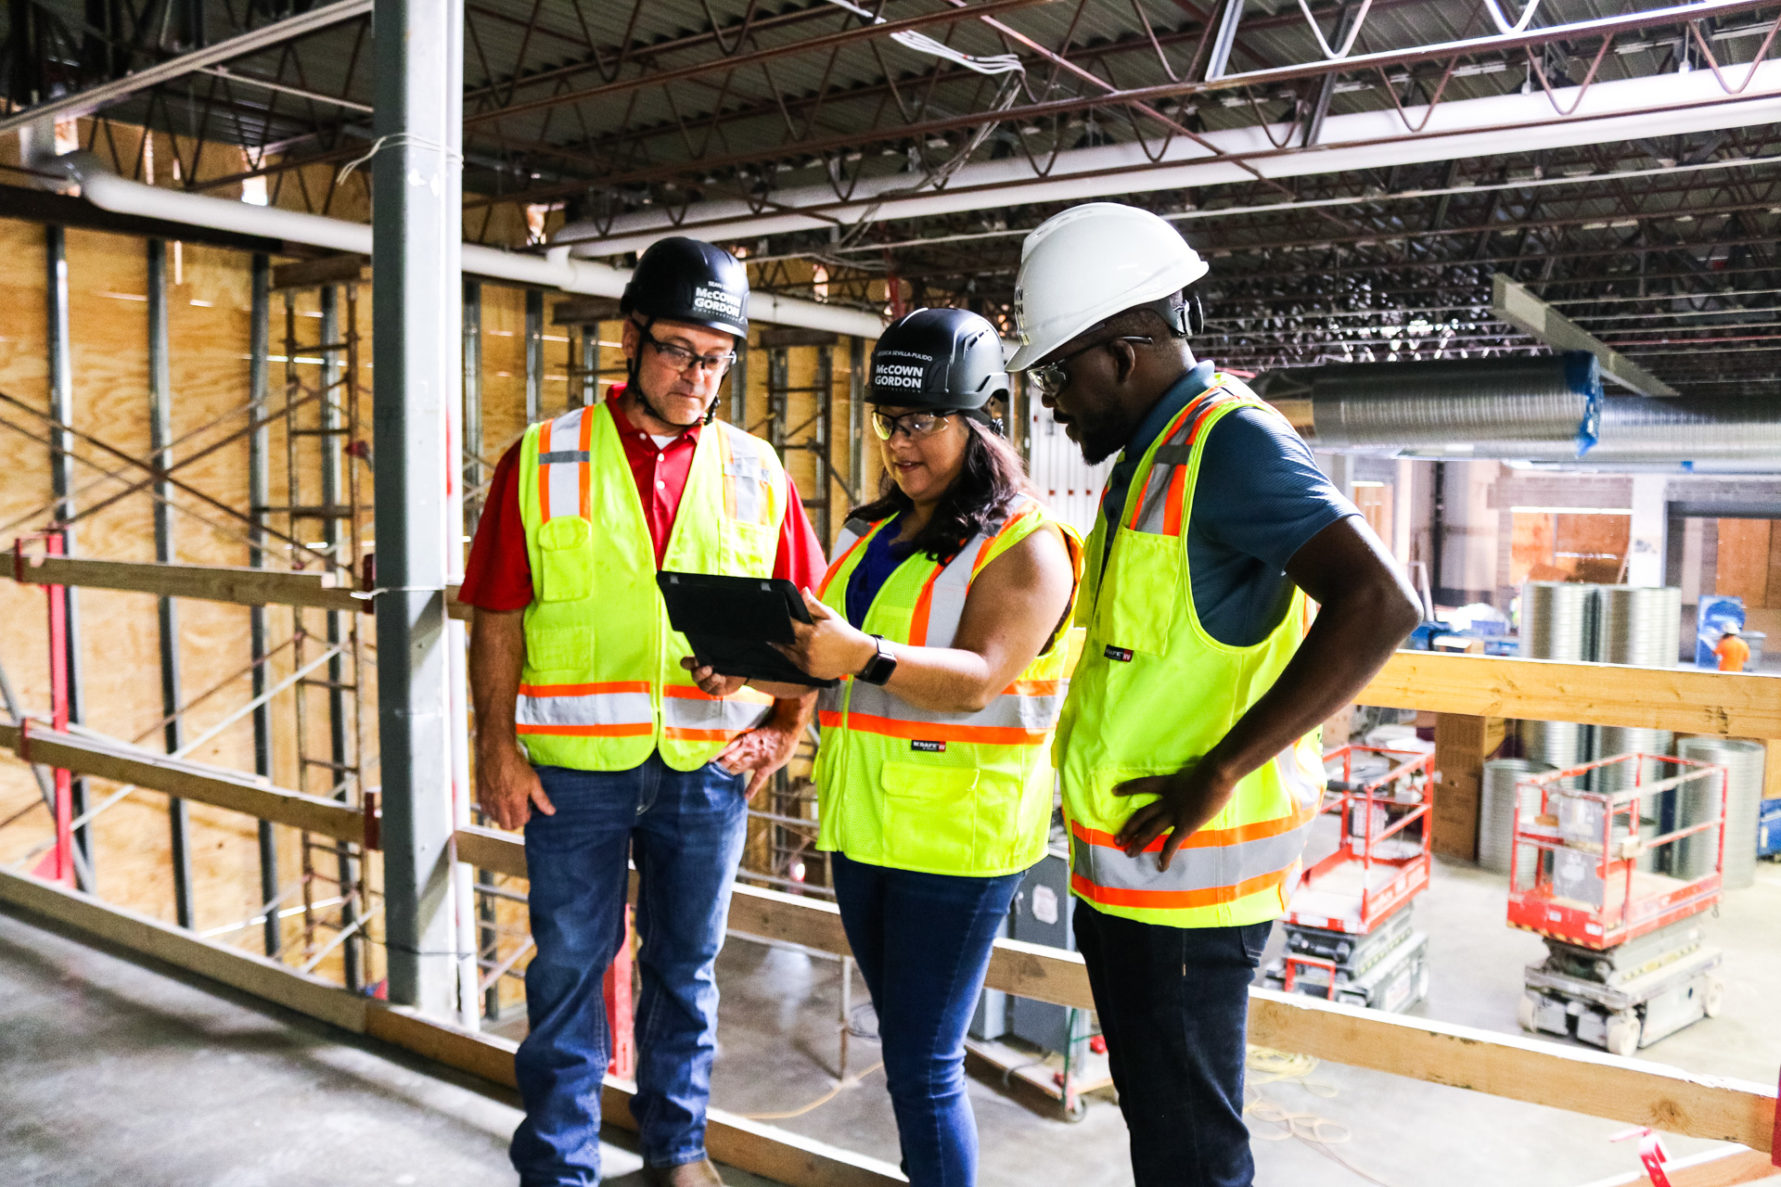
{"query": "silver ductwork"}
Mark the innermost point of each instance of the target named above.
(1537, 409)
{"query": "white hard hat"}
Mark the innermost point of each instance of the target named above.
(1089, 263)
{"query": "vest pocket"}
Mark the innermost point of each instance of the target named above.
(1140, 591)
(930, 816)
(749, 549)
(566, 555)
(560, 649)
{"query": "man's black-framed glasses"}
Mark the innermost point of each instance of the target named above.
(679, 358)
(1051, 377)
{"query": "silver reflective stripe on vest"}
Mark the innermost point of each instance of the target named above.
(1208, 868)
(732, 714)
(562, 462)
(946, 603)
(1008, 711)
(748, 478)
(1306, 786)
(1153, 513)
(600, 708)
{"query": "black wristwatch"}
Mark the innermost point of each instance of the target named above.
(878, 669)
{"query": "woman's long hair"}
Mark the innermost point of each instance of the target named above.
(990, 480)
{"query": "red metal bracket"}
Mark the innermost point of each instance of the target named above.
(373, 820)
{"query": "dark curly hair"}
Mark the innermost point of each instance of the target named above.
(991, 478)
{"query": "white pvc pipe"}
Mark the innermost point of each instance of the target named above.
(555, 269)
(1607, 111)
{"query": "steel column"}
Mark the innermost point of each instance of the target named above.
(739, 386)
(417, 186)
(61, 389)
(590, 364)
(534, 355)
(473, 475)
(333, 425)
(259, 493)
(160, 396)
(856, 423)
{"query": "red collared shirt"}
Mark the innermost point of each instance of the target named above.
(498, 575)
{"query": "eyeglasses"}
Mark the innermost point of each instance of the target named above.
(679, 358)
(914, 425)
(1050, 378)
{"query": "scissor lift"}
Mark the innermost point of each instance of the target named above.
(1349, 934)
(1626, 959)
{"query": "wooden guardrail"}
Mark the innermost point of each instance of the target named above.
(1531, 1070)
(1681, 699)
(214, 583)
(201, 782)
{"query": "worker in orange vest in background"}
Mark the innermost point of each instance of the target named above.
(1732, 651)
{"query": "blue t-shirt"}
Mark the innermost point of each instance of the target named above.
(1259, 499)
(884, 553)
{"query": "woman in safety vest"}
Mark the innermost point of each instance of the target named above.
(945, 619)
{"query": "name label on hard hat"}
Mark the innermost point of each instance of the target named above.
(1122, 654)
(927, 747)
(716, 300)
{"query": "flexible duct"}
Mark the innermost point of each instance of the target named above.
(555, 269)
(1525, 403)
(1540, 409)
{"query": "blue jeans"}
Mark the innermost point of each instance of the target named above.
(685, 830)
(923, 944)
(1173, 1004)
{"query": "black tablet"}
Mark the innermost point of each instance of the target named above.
(730, 620)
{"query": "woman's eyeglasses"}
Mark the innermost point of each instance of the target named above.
(914, 425)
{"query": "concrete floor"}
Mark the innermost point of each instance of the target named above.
(112, 1072)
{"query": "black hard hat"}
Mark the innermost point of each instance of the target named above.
(692, 281)
(945, 359)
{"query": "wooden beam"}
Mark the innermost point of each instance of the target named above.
(1686, 700)
(489, 849)
(207, 784)
(763, 1150)
(214, 583)
(266, 979)
(584, 311)
(797, 336)
(1531, 1070)
(1527, 1069)
(326, 270)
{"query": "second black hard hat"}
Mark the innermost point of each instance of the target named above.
(944, 359)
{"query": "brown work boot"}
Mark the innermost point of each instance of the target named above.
(688, 1174)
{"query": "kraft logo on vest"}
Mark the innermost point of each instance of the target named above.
(1122, 654)
(927, 746)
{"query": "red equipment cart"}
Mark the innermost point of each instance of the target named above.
(1348, 934)
(1626, 960)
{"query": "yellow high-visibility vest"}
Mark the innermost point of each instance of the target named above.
(1154, 692)
(918, 789)
(602, 685)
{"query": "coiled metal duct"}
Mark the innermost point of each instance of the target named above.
(1496, 812)
(1558, 620)
(1638, 624)
(1528, 401)
(1743, 803)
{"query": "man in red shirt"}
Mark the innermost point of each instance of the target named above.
(592, 737)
